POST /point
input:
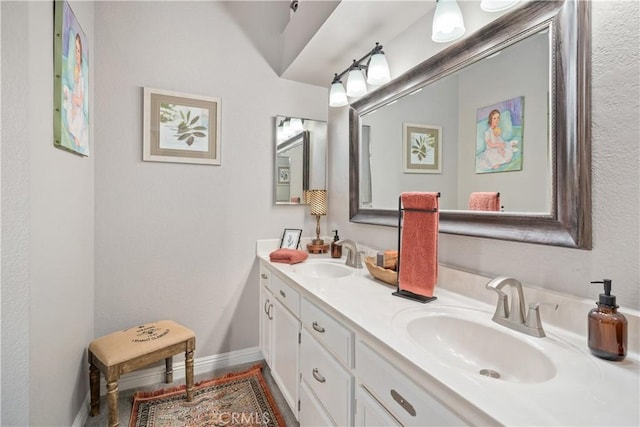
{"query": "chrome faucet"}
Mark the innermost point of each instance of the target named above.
(511, 314)
(353, 256)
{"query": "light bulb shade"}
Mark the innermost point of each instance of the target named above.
(337, 95)
(378, 70)
(497, 5)
(296, 125)
(317, 200)
(448, 24)
(356, 86)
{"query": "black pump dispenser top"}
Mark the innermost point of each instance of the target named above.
(336, 237)
(606, 298)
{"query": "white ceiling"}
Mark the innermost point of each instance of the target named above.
(323, 36)
(348, 32)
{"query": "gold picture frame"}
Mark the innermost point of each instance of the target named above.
(181, 128)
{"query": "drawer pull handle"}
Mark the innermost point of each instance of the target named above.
(269, 314)
(402, 402)
(264, 276)
(318, 327)
(266, 309)
(317, 376)
(283, 294)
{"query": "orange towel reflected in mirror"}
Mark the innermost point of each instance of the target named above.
(484, 201)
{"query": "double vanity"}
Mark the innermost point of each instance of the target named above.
(344, 351)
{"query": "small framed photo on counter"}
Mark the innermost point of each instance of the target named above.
(291, 238)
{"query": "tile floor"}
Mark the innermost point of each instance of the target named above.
(125, 397)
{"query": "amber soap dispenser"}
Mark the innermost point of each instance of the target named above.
(336, 248)
(607, 327)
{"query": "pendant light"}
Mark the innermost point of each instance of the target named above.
(378, 68)
(356, 86)
(296, 125)
(497, 5)
(337, 95)
(448, 24)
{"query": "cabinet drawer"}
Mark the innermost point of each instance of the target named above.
(407, 402)
(329, 381)
(288, 296)
(265, 276)
(333, 335)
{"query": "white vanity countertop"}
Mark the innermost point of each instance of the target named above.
(586, 390)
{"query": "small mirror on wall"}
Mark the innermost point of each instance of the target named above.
(300, 158)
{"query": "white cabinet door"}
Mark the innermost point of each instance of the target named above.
(266, 323)
(284, 355)
(311, 413)
(369, 412)
(330, 381)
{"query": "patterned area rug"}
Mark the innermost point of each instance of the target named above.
(237, 399)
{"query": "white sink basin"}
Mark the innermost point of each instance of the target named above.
(467, 339)
(322, 270)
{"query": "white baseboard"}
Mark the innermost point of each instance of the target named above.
(154, 375)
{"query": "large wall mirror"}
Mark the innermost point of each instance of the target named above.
(506, 111)
(300, 158)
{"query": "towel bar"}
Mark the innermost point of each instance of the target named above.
(401, 292)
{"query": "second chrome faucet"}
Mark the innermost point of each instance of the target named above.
(511, 314)
(353, 255)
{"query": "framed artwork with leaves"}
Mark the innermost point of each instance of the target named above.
(421, 148)
(181, 128)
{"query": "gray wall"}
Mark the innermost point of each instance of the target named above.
(615, 174)
(514, 72)
(169, 240)
(47, 225)
(178, 240)
(386, 140)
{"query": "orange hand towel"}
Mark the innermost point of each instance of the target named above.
(484, 201)
(288, 256)
(419, 243)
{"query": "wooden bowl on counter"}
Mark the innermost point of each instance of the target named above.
(390, 277)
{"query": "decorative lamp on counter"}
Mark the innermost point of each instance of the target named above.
(317, 201)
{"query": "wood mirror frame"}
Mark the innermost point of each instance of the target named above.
(569, 223)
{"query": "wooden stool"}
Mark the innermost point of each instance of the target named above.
(125, 351)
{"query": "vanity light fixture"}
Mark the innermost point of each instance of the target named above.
(448, 24)
(377, 72)
(497, 5)
(286, 127)
(290, 126)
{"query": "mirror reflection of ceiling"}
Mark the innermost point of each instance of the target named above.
(520, 170)
(322, 37)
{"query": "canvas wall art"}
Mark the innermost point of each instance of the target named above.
(71, 82)
(499, 136)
